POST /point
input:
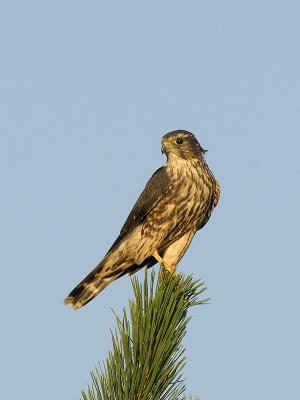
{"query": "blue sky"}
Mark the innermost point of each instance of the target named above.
(87, 89)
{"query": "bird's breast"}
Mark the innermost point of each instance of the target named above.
(185, 203)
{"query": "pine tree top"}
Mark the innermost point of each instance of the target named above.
(147, 354)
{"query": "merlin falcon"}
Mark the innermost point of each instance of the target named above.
(177, 201)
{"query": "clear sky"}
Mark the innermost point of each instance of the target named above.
(87, 89)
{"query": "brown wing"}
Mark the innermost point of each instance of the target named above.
(155, 188)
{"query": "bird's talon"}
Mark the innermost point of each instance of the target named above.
(168, 268)
(165, 266)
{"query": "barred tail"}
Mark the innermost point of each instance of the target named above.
(91, 285)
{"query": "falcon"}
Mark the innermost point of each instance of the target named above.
(177, 201)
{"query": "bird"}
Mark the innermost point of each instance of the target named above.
(176, 202)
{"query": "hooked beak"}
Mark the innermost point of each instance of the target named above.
(163, 149)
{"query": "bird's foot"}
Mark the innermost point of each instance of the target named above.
(166, 267)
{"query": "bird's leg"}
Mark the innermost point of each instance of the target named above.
(169, 268)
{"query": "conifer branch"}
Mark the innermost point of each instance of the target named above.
(147, 353)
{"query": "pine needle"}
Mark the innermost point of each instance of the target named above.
(147, 355)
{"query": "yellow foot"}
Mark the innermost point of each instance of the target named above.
(167, 267)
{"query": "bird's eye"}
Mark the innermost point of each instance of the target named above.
(179, 141)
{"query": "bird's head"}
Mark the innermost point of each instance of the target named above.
(181, 144)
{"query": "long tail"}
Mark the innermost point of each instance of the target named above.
(97, 280)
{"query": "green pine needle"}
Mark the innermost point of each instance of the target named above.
(147, 353)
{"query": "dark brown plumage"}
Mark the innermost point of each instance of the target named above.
(176, 202)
